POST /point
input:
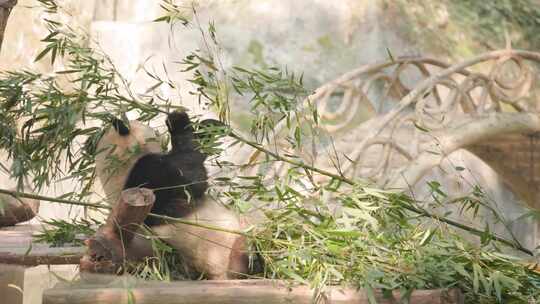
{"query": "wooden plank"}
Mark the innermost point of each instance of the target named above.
(17, 247)
(226, 292)
(35, 260)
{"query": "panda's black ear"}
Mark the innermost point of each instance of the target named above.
(120, 126)
(177, 122)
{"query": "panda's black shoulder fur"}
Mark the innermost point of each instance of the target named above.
(178, 177)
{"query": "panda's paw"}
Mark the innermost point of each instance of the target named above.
(177, 122)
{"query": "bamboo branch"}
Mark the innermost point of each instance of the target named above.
(101, 206)
(15, 193)
(472, 230)
(292, 162)
(413, 209)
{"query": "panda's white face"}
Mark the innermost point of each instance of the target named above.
(117, 153)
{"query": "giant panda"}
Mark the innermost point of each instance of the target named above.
(130, 155)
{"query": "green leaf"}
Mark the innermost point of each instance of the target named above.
(370, 295)
(427, 237)
(44, 52)
(162, 18)
(497, 284)
(291, 274)
(461, 270)
(343, 233)
(476, 278)
(420, 127)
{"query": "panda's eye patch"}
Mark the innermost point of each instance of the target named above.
(120, 126)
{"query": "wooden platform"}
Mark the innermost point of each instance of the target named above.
(225, 292)
(18, 248)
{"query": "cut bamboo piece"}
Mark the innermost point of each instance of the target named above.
(108, 248)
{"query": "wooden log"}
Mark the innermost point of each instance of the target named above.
(14, 210)
(230, 291)
(109, 247)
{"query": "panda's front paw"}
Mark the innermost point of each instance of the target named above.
(178, 122)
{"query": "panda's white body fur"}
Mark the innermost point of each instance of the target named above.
(207, 250)
(210, 252)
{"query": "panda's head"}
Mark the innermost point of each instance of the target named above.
(123, 144)
(120, 146)
(123, 140)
